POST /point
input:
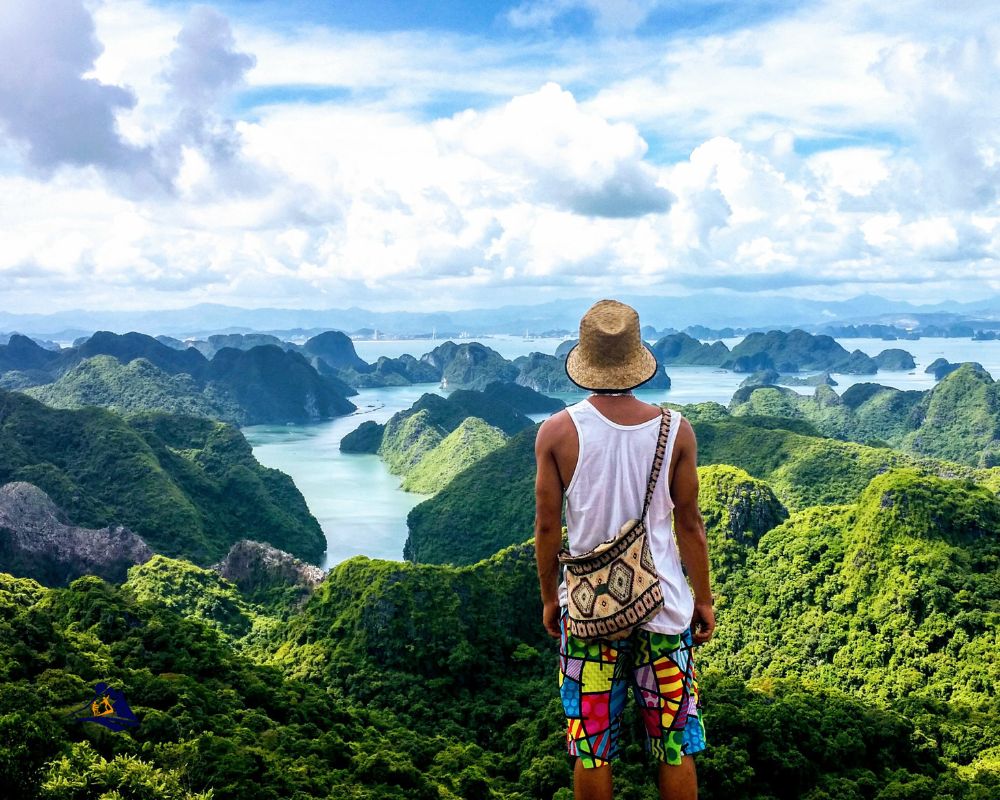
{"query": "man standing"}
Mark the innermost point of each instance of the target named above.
(596, 455)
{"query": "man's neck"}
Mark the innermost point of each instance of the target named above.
(623, 409)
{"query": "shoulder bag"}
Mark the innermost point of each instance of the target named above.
(614, 587)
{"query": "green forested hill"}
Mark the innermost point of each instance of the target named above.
(487, 507)
(682, 348)
(131, 388)
(894, 597)
(470, 441)
(212, 722)
(187, 486)
(470, 365)
(438, 437)
(857, 654)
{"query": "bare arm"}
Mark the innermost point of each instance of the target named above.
(548, 523)
(690, 529)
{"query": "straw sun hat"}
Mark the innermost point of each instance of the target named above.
(610, 354)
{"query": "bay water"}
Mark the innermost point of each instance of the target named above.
(359, 503)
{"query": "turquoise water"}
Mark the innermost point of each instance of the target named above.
(358, 503)
(362, 509)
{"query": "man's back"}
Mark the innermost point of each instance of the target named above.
(608, 486)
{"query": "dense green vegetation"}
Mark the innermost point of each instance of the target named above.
(187, 486)
(797, 350)
(470, 365)
(211, 719)
(366, 438)
(411, 435)
(523, 398)
(680, 348)
(336, 349)
(894, 598)
(791, 352)
(485, 508)
(855, 659)
(402, 371)
(857, 655)
(958, 419)
(737, 510)
(544, 373)
(272, 385)
(895, 358)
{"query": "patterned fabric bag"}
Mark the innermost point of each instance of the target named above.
(614, 587)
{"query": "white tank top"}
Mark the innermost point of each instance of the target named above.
(607, 489)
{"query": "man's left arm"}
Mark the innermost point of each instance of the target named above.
(689, 528)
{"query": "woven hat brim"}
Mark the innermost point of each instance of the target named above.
(621, 377)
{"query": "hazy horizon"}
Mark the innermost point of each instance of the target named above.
(161, 153)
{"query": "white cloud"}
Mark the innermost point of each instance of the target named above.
(561, 154)
(810, 76)
(47, 105)
(660, 165)
(854, 171)
(952, 100)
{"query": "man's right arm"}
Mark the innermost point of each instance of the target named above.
(548, 522)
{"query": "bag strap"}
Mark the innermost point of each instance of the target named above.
(661, 447)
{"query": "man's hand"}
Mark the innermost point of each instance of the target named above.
(550, 618)
(702, 622)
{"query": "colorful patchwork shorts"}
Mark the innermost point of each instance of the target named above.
(594, 680)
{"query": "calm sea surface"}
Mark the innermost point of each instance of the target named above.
(362, 509)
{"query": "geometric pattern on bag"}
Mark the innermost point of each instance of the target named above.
(614, 587)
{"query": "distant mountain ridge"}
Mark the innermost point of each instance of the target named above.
(736, 309)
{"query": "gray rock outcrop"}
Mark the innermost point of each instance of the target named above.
(38, 541)
(257, 568)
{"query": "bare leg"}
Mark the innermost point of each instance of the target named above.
(591, 784)
(679, 783)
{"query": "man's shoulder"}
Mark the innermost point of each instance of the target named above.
(555, 427)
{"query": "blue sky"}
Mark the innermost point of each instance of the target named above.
(505, 20)
(444, 155)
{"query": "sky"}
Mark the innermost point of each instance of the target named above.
(442, 155)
